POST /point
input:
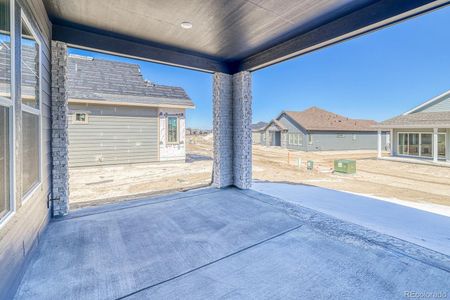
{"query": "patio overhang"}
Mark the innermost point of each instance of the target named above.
(243, 35)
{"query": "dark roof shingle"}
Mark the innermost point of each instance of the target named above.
(98, 79)
(318, 119)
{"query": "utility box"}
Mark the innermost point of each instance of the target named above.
(309, 165)
(345, 166)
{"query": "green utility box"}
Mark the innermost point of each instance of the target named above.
(309, 165)
(345, 166)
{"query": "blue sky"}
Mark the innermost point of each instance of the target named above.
(376, 76)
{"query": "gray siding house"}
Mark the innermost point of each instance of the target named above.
(117, 117)
(316, 129)
(422, 132)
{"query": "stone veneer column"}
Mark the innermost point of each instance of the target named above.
(232, 117)
(242, 130)
(60, 142)
(223, 130)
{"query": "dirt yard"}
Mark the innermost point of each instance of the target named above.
(388, 179)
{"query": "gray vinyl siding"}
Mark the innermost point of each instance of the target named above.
(330, 141)
(20, 234)
(439, 106)
(256, 137)
(293, 128)
(113, 135)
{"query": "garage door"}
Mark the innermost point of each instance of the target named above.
(107, 135)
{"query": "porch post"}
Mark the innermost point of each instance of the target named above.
(242, 129)
(447, 145)
(379, 143)
(435, 144)
(223, 130)
(232, 117)
(60, 140)
(391, 141)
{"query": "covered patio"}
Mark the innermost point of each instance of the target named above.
(222, 244)
(226, 241)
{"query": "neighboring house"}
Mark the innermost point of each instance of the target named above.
(258, 132)
(117, 117)
(423, 131)
(316, 129)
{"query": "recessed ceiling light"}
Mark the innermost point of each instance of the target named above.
(186, 25)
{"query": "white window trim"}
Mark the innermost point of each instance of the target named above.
(167, 130)
(420, 143)
(74, 117)
(12, 124)
(32, 110)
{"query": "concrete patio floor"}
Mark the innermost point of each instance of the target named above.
(229, 244)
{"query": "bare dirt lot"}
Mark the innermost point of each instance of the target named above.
(388, 179)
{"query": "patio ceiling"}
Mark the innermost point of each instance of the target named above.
(226, 36)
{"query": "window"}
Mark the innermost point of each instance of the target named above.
(340, 135)
(31, 114)
(294, 139)
(172, 129)
(300, 139)
(6, 112)
(426, 144)
(354, 137)
(310, 140)
(441, 145)
(80, 118)
(290, 138)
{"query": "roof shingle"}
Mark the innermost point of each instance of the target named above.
(318, 119)
(98, 79)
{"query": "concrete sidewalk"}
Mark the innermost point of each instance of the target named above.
(416, 226)
(210, 244)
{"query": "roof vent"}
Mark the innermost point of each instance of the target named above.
(81, 57)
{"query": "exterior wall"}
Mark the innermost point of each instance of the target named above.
(257, 137)
(113, 135)
(439, 106)
(21, 231)
(329, 141)
(292, 127)
(172, 151)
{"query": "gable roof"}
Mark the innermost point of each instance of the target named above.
(104, 80)
(428, 103)
(279, 126)
(317, 119)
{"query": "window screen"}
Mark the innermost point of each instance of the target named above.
(5, 108)
(30, 68)
(172, 128)
(30, 151)
(30, 110)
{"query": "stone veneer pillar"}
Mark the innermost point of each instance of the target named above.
(232, 117)
(242, 129)
(60, 141)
